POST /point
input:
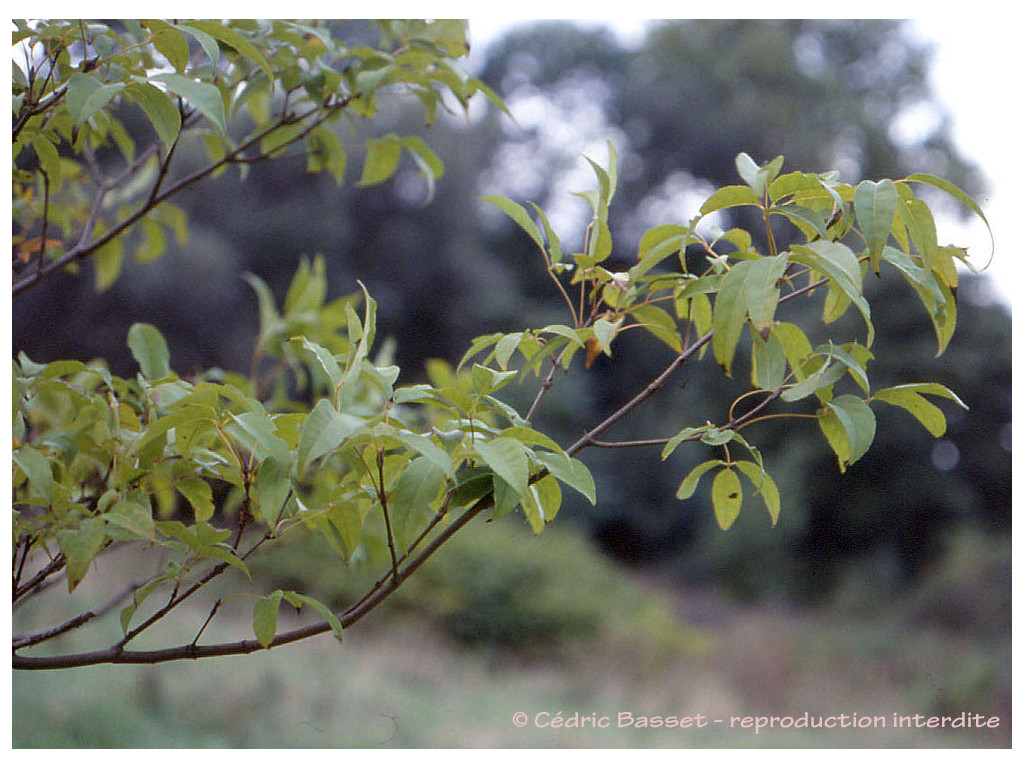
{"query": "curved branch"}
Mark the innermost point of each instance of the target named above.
(118, 655)
(645, 394)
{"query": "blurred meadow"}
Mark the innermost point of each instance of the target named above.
(882, 590)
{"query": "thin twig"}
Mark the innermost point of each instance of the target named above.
(46, 220)
(383, 498)
(645, 394)
(177, 598)
(213, 612)
(48, 570)
(23, 641)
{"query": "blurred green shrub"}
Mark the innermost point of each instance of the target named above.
(488, 590)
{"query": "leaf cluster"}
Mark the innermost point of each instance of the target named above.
(840, 232)
(245, 91)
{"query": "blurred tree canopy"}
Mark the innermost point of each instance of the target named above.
(679, 105)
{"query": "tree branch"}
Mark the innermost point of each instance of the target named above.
(117, 654)
(645, 394)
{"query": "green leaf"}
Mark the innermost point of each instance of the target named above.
(326, 152)
(335, 623)
(37, 469)
(272, 486)
(875, 206)
(152, 440)
(689, 484)
(486, 380)
(149, 350)
(281, 138)
(206, 42)
(364, 332)
(342, 527)
(940, 302)
(264, 618)
(909, 397)
(324, 430)
(730, 314)
(660, 324)
(542, 503)
(430, 165)
(428, 449)
(507, 457)
(554, 249)
(381, 161)
(768, 362)
(762, 289)
(49, 159)
(729, 197)
(519, 215)
(756, 176)
(506, 498)
(604, 332)
(809, 220)
(107, 260)
(86, 95)
(917, 218)
(203, 96)
(80, 545)
(832, 263)
(199, 496)
(570, 471)
(233, 39)
(258, 432)
(130, 522)
(170, 42)
(505, 347)
(682, 436)
(325, 360)
(411, 500)
(656, 245)
(849, 426)
(530, 436)
(957, 193)
(828, 373)
(599, 243)
(726, 497)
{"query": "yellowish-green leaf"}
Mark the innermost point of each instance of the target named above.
(199, 496)
(910, 398)
(149, 350)
(80, 545)
(381, 161)
(726, 497)
(689, 484)
(849, 426)
(729, 197)
(765, 486)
